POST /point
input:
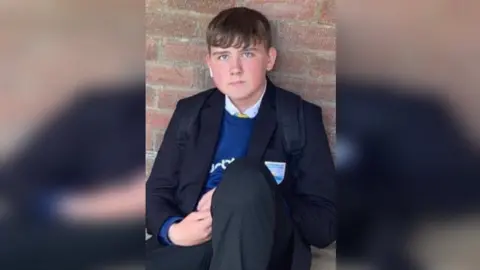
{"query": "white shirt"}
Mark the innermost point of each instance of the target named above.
(250, 112)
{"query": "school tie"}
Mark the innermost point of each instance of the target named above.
(241, 115)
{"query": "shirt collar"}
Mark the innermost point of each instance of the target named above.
(250, 112)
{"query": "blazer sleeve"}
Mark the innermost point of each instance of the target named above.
(163, 180)
(313, 200)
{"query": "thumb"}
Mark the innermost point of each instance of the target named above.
(202, 202)
(200, 215)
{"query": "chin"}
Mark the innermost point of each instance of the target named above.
(234, 93)
(236, 96)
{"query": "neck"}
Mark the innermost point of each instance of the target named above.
(247, 102)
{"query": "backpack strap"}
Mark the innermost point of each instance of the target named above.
(291, 120)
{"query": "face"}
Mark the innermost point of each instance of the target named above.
(240, 73)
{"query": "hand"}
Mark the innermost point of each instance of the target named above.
(205, 202)
(194, 229)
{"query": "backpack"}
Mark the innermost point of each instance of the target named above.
(289, 108)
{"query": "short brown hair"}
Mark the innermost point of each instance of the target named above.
(239, 27)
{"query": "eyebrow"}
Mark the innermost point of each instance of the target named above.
(227, 52)
(220, 52)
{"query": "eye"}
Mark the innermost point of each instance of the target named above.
(222, 57)
(248, 54)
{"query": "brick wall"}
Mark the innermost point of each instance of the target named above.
(304, 34)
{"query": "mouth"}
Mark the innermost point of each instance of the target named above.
(237, 83)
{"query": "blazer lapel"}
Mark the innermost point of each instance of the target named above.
(264, 126)
(204, 148)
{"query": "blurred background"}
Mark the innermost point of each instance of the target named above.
(72, 160)
(52, 49)
(407, 134)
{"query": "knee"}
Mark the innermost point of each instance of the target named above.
(245, 183)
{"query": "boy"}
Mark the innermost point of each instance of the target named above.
(231, 197)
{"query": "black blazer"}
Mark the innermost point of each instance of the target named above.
(173, 189)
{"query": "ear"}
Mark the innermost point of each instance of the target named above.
(208, 60)
(272, 56)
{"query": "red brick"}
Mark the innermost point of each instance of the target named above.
(316, 37)
(159, 139)
(293, 84)
(184, 50)
(151, 97)
(291, 62)
(329, 116)
(148, 138)
(202, 27)
(327, 12)
(151, 49)
(320, 66)
(316, 91)
(279, 1)
(167, 99)
(296, 9)
(170, 75)
(158, 119)
(332, 138)
(201, 6)
(153, 4)
(170, 25)
(148, 166)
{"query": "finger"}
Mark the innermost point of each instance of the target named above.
(205, 200)
(208, 232)
(206, 215)
(205, 238)
(211, 194)
(206, 222)
(203, 223)
(202, 201)
(209, 200)
(200, 215)
(203, 205)
(204, 209)
(208, 237)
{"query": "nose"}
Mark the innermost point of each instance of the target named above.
(235, 66)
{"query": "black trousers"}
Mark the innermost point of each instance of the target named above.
(251, 227)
